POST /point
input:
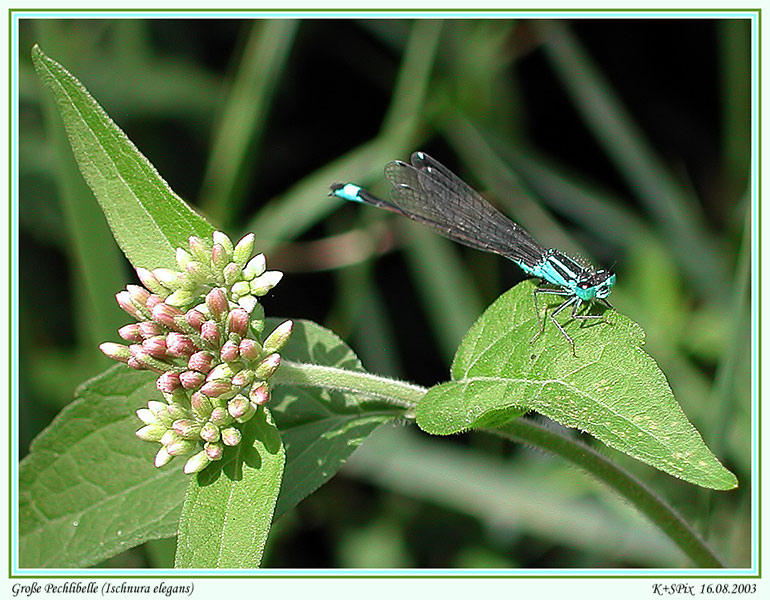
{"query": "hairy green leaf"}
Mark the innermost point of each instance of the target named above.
(229, 506)
(612, 389)
(149, 221)
(88, 489)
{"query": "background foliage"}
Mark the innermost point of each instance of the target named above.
(623, 140)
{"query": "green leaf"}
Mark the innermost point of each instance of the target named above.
(229, 506)
(88, 489)
(612, 389)
(149, 221)
(132, 501)
(320, 428)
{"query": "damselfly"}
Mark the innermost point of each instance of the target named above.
(429, 193)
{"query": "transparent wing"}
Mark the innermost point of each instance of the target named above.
(431, 194)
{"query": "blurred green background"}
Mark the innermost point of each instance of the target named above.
(625, 141)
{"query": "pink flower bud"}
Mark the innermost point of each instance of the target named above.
(198, 248)
(162, 458)
(186, 428)
(217, 303)
(135, 364)
(150, 281)
(191, 380)
(124, 301)
(179, 345)
(153, 301)
(168, 382)
(131, 332)
(139, 295)
(242, 378)
(219, 256)
(250, 349)
(220, 417)
(214, 450)
(180, 447)
(196, 463)
(255, 267)
(260, 394)
(201, 361)
(231, 436)
(243, 249)
(142, 357)
(115, 351)
(150, 329)
(280, 335)
(223, 240)
(229, 352)
(195, 319)
(239, 406)
(214, 389)
(238, 321)
(201, 405)
(210, 332)
(268, 366)
(195, 272)
(210, 432)
(177, 411)
(155, 346)
(166, 315)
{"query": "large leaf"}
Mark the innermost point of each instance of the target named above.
(147, 218)
(228, 510)
(612, 389)
(88, 488)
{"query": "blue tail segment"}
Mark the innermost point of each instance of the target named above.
(346, 191)
(429, 193)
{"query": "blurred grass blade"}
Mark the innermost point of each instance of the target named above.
(411, 86)
(735, 71)
(307, 202)
(597, 211)
(452, 303)
(542, 498)
(501, 182)
(244, 114)
(738, 314)
(149, 221)
(677, 214)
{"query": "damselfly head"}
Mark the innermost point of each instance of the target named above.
(596, 286)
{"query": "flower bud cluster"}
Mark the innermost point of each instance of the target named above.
(198, 329)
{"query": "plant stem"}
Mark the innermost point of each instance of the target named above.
(398, 393)
(406, 395)
(620, 480)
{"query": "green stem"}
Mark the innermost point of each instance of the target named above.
(621, 481)
(406, 395)
(399, 393)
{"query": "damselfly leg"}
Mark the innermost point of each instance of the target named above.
(576, 304)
